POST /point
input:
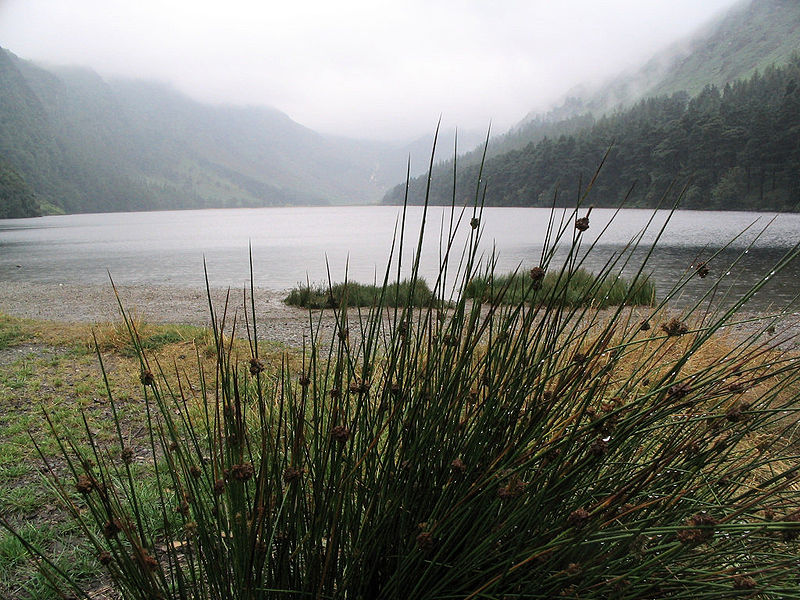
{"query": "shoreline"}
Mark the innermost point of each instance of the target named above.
(177, 305)
(173, 305)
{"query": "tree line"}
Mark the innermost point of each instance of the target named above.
(736, 147)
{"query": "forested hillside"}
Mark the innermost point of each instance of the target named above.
(752, 36)
(81, 143)
(16, 198)
(737, 148)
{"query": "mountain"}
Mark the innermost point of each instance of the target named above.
(750, 37)
(72, 141)
(735, 135)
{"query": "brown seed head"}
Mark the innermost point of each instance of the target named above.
(703, 520)
(195, 471)
(292, 474)
(359, 386)
(458, 466)
(702, 270)
(304, 380)
(645, 326)
(340, 434)
(574, 569)
(735, 413)
(425, 541)
(474, 222)
(570, 590)
(126, 455)
(104, 558)
(578, 518)
(402, 329)
(743, 582)
(149, 562)
(679, 390)
(792, 529)
(111, 528)
(336, 393)
(692, 447)
(256, 366)
(582, 224)
(85, 484)
(675, 327)
(219, 487)
(537, 274)
(242, 472)
(737, 386)
(147, 378)
(701, 530)
(514, 488)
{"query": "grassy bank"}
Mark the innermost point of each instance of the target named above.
(575, 289)
(360, 295)
(52, 369)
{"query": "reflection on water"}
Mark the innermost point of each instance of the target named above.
(290, 245)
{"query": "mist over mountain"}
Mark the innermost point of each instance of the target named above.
(753, 35)
(71, 141)
(720, 109)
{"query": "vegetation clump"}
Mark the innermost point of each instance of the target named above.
(355, 294)
(579, 287)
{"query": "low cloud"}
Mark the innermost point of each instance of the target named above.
(368, 69)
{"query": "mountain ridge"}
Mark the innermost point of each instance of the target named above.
(83, 143)
(542, 150)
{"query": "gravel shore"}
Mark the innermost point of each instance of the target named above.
(154, 304)
(180, 305)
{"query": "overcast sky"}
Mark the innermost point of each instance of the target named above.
(361, 68)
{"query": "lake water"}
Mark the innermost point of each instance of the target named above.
(290, 245)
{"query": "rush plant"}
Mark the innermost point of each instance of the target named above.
(459, 450)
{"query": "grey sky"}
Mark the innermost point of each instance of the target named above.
(362, 68)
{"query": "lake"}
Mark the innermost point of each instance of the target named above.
(291, 245)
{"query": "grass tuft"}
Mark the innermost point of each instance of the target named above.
(359, 294)
(578, 289)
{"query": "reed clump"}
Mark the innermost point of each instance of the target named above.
(580, 287)
(359, 295)
(524, 449)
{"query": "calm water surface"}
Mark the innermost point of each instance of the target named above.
(291, 245)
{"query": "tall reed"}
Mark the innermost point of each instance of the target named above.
(514, 450)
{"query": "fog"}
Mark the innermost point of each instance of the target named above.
(359, 68)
